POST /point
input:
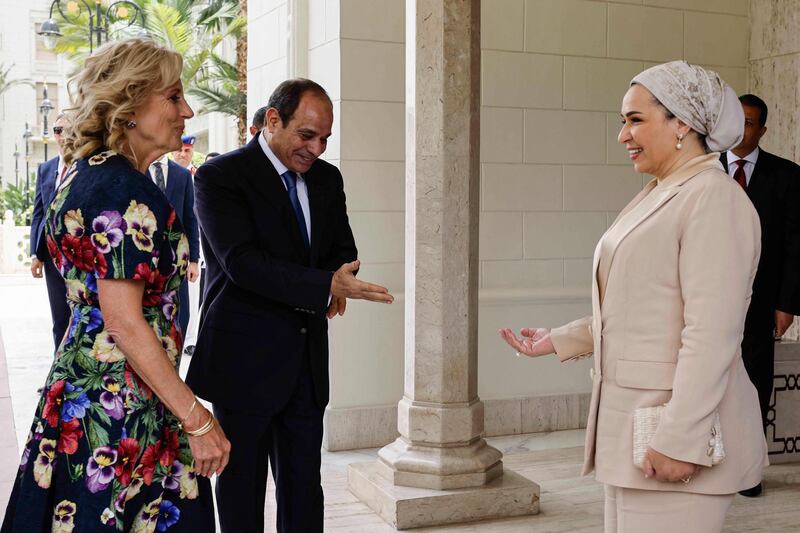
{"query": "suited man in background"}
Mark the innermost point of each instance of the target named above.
(196, 293)
(258, 121)
(772, 184)
(176, 183)
(281, 259)
(48, 178)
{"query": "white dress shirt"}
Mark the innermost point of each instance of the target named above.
(60, 170)
(302, 189)
(751, 159)
(164, 160)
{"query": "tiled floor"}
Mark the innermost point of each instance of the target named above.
(26, 328)
(569, 503)
(9, 453)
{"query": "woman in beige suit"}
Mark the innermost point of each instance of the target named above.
(672, 282)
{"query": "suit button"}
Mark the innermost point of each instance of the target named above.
(303, 331)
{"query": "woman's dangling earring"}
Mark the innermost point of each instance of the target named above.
(130, 124)
(680, 144)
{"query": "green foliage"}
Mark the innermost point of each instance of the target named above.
(221, 97)
(193, 28)
(198, 158)
(167, 25)
(19, 200)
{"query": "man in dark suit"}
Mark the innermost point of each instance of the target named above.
(176, 183)
(281, 259)
(258, 121)
(773, 185)
(48, 177)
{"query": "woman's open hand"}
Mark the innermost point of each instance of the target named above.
(665, 468)
(534, 341)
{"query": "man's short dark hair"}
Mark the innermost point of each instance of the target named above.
(209, 155)
(287, 95)
(754, 101)
(258, 118)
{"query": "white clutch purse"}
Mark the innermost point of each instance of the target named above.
(645, 423)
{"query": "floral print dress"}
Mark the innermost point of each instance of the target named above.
(104, 454)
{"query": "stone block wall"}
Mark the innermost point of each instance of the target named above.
(554, 73)
(775, 71)
(267, 54)
(775, 77)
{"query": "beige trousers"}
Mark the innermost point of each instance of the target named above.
(655, 511)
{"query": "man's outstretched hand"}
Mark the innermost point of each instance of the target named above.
(345, 285)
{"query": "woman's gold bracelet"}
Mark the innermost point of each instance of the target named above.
(199, 432)
(191, 410)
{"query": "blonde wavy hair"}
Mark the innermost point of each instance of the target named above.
(116, 80)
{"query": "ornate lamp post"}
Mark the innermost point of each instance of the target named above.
(27, 136)
(45, 109)
(16, 165)
(99, 22)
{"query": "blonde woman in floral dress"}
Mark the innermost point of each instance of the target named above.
(119, 442)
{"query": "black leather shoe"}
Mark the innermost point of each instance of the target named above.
(753, 492)
(189, 351)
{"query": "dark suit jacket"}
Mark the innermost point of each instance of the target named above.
(180, 193)
(265, 297)
(45, 192)
(774, 189)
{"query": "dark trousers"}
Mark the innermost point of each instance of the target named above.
(758, 355)
(185, 308)
(290, 441)
(57, 294)
(202, 282)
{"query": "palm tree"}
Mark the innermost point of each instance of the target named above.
(223, 86)
(194, 29)
(6, 82)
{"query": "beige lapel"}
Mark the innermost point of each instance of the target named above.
(667, 188)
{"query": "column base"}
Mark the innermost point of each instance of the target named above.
(408, 507)
(458, 467)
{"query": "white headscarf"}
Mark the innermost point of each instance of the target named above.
(700, 98)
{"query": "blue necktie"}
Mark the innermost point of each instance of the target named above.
(291, 186)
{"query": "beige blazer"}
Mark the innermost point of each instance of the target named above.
(672, 283)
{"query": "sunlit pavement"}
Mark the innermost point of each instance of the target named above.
(27, 335)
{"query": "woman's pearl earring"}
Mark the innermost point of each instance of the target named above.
(680, 144)
(130, 124)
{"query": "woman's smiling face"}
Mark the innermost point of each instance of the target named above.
(160, 121)
(647, 132)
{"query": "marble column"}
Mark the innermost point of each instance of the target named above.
(441, 470)
(775, 77)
